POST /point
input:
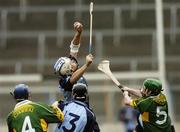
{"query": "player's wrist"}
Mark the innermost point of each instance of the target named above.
(87, 64)
(78, 32)
(74, 48)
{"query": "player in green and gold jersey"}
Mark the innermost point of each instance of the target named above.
(28, 116)
(152, 105)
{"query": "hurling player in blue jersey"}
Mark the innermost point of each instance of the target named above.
(68, 72)
(78, 117)
(66, 68)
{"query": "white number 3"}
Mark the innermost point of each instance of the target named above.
(27, 127)
(159, 113)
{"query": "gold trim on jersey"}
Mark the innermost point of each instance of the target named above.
(44, 125)
(145, 116)
(160, 99)
(58, 113)
(24, 102)
(22, 109)
(133, 103)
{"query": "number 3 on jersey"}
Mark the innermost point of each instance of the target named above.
(27, 127)
(72, 122)
(160, 112)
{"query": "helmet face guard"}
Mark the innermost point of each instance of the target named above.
(63, 66)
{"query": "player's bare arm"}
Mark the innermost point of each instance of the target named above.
(77, 74)
(135, 92)
(127, 98)
(75, 43)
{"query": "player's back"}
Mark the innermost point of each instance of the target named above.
(154, 111)
(65, 86)
(78, 118)
(30, 116)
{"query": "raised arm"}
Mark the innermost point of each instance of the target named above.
(78, 73)
(127, 98)
(75, 43)
(135, 92)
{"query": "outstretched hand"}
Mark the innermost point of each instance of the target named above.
(89, 59)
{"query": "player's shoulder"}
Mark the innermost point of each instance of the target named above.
(145, 101)
(88, 110)
(78, 102)
(160, 99)
(90, 114)
(83, 105)
(39, 105)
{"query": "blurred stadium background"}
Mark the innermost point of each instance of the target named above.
(34, 33)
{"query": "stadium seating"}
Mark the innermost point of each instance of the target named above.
(45, 22)
(33, 21)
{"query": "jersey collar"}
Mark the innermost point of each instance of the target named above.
(80, 103)
(22, 103)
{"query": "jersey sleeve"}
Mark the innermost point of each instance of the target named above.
(50, 114)
(134, 103)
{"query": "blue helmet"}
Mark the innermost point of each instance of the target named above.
(20, 92)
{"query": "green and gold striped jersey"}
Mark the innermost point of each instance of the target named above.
(154, 113)
(33, 117)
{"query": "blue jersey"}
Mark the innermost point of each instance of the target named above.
(66, 86)
(77, 118)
